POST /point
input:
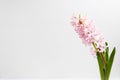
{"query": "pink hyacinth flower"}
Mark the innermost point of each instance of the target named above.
(88, 32)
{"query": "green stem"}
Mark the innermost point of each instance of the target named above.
(101, 60)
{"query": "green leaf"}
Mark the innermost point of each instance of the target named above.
(106, 54)
(101, 65)
(110, 62)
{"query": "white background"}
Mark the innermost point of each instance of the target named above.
(38, 41)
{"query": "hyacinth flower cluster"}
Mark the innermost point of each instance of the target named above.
(92, 37)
